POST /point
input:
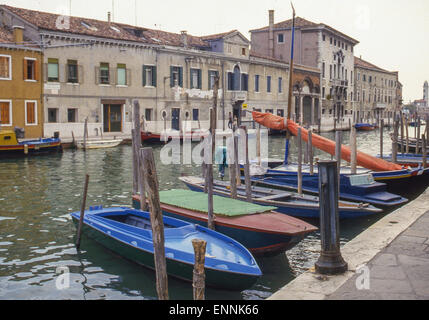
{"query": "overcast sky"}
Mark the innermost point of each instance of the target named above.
(393, 34)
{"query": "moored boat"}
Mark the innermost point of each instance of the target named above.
(293, 204)
(259, 228)
(127, 232)
(361, 187)
(99, 144)
(364, 127)
(11, 147)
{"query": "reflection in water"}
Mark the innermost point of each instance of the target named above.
(37, 235)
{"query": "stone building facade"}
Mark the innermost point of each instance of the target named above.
(95, 69)
(377, 91)
(316, 45)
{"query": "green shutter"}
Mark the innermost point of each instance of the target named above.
(171, 77)
(180, 77)
(144, 76)
(200, 73)
(154, 76)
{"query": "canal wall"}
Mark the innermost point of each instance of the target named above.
(358, 252)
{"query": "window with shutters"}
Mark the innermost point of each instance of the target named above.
(280, 85)
(30, 113)
(268, 84)
(52, 115)
(121, 75)
(148, 114)
(257, 83)
(149, 76)
(212, 78)
(72, 115)
(104, 73)
(53, 70)
(244, 82)
(72, 71)
(30, 69)
(5, 113)
(196, 79)
(5, 67)
(176, 76)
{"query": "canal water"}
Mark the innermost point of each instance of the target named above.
(37, 236)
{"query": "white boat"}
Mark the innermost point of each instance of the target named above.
(99, 144)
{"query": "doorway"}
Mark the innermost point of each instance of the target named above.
(112, 121)
(175, 119)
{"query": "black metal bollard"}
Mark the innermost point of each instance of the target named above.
(330, 262)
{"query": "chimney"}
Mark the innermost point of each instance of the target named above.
(271, 33)
(18, 34)
(109, 17)
(185, 39)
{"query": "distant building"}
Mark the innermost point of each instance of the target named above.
(20, 83)
(316, 45)
(377, 91)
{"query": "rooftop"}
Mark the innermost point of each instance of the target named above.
(360, 63)
(304, 24)
(5, 35)
(103, 29)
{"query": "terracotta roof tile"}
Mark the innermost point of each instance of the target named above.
(217, 36)
(365, 64)
(5, 35)
(104, 29)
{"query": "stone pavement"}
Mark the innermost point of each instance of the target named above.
(398, 272)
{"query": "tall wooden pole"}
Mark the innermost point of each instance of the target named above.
(139, 171)
(311, 151)
(353, 147)
(157, 223)
(137, 144)
(299, 161)
(247, 166)
(381, 137)
(82, 212)
(338, 145)
(418, 136)
(424, 151)
(209, 172)
(290, 93)
(395, 141)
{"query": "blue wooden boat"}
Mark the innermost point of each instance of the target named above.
(259, 228)
(360, 187)
(289, 203)
(128, 232)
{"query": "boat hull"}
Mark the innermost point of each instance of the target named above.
(259, 242)
(308, 211)
(180, 269)
(39, 148)
(99, 144)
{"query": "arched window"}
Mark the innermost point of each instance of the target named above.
(237, 78)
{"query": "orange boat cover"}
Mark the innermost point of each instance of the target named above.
(364, 160)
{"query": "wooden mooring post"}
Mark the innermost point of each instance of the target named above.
(402, 132)
(330, 262)
(85, 134)
(299, 161)
(407, 145)
(232, 168)
(311, 151)
(418, 136)
(199, 277)
(136, 144)
(139, 171)
(353, 149)
(247, 180)
(381, 137)
(395, 141)
(209, 170)
(82, 212)
(156, 219)
(424, 151)
(338, 146)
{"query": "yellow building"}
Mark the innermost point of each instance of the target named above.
(20, 83)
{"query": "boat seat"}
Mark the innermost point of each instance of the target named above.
(138, 222)
(283, 196)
